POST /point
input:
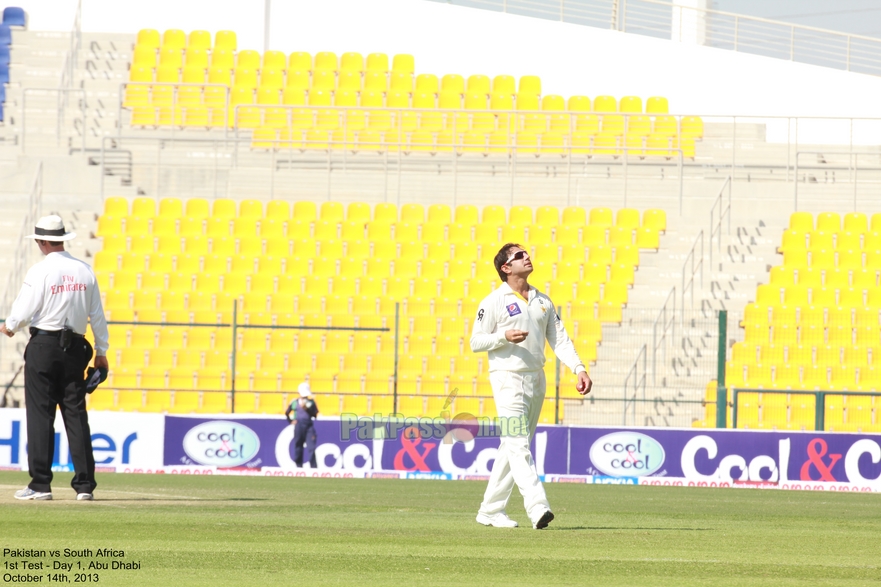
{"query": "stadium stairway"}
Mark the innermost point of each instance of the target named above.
(682, 358)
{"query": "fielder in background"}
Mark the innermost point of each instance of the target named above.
(304, 410)
(512, 324)
(58, 299)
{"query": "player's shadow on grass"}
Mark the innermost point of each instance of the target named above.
(185, 500)
(630, 528)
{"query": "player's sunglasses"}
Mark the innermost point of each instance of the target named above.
(517, 256)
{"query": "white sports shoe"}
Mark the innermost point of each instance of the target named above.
(500, 520)
(542, 522)
(84, 497)
(28, 493)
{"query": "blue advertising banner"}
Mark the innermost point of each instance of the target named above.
(438, 449)
(726, 455)
(419, 447)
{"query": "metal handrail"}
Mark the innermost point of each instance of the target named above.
(697, 267)
(656, 18)
(397, 149)
(664, 323)
(68, 70)
(639, 382)
(852, 168)
(234, 325)
(25, 247)
(743, 17)
(716, 226)
(819, 401)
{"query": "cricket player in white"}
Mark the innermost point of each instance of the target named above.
(512, 324)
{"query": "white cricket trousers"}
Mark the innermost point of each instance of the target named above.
(518, 394)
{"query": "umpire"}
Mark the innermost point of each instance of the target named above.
(58, 298)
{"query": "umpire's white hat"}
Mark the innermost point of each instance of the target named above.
(304, 389)
(51, 228)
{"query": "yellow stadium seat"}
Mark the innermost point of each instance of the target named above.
(215, 403)
(157, 401)
(793, 240)
(829, 222)
(102, 399)
(130, 400)
(834, 412)
(859, 413)
(620, 236)
(647, 238)
(655, 219)
(299, 61)
(184, 402)
(802, 222)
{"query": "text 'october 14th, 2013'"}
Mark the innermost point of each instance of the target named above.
(67, 565)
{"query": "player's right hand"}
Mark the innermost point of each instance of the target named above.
(516, 336)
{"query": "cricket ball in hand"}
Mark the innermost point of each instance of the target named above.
(580, 386)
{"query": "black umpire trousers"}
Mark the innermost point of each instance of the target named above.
(54, 377)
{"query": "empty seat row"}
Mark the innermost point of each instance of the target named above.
(842, 352)
(137, 289)
(833, 277)
(456, 244)
(329, 404)
(525, 143)
(781, 411)
(803, 376)
(827, 259)
(307, 211)
(178, 39)
(354, 232)
(764, 315)
(194, 292)
(832, 222)
(818, 240)
(198, 86)
(800, 296)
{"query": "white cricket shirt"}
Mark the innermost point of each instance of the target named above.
(505, 310)
(60, 291)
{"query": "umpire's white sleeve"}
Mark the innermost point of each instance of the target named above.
(28, 302)
(99, 324)
(483, 334)
(562, 344)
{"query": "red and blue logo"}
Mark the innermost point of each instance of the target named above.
(513, 309)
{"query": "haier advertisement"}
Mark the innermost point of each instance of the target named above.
(124, 442)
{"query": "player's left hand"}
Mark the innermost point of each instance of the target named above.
(584, 383)
(4, 330)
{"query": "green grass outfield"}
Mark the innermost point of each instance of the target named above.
(247, 531)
